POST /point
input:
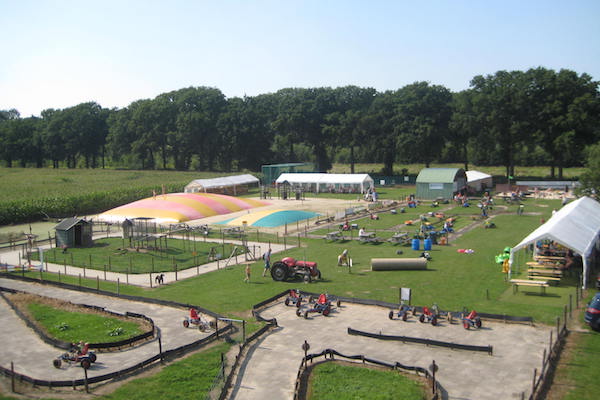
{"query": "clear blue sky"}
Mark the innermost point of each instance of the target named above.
(57, 54)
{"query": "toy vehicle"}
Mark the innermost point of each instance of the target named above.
(429, 315)
(294, 298)
(472, 320)
(290, 268)
(592, 313)
(402, 312)
(196, 319)
(321, 306)
(83, 356)
(329, 298)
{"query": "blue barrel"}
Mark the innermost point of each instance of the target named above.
(416, 244)
(427, 245)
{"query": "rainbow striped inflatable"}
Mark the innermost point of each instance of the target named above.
(180, 207)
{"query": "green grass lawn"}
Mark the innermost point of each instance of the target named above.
(116, 255)
(349, 382)
(72, 327)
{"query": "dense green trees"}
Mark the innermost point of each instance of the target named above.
(538, 116)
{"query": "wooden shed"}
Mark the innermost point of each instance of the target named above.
(440, 183)
(74, 232)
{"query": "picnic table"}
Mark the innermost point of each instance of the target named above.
(400, 238)
(368, 237)
(337, 235)
(234, 231)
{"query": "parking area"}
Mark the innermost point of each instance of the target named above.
(271, 368)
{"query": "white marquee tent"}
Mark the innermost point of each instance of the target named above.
(575, 226)
(328, 182)
(223, 182)
(479, 180)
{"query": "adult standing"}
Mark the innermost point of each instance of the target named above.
(267, 258)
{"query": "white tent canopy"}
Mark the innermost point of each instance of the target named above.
(478, 180)
(575, 226)
(324, 182)
(202, 185)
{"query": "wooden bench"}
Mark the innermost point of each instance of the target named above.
(523, 282)
(546, 272)
(368, 238)
(554, 279)
(400, 238)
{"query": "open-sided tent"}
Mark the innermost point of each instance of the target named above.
(357, 183)
(479, 180)
(234, 184)
(575, 226)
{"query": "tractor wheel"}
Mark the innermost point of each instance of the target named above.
(338, 303)
(85, 363)
(287, 301)
(57, 363)
(404, 316)
(307, 278)
(186, 323)
(279, 271)
(422, 318)
(434, 320)
(298, 313)
(305, 314)
(299, 302)
(466, 325)
(326, 311)
(478, 323)
(93, 357)
(391, 315)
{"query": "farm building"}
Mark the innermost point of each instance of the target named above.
(333, 183)
(230, 185)
(479, 181)
(272, 171)
(74, 232)
(440, 183)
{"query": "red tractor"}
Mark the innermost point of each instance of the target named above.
(290, 268)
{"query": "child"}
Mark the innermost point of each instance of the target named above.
(248, 270)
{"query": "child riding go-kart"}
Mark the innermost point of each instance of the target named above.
(78, 354)
(323, 305)
(196, 319)
(430, 315)
(294, 298)
(472, 320)
(403, 312)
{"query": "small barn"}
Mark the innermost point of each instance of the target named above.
(229, 185)
(74, 232)
(440, 183)
(479, 181)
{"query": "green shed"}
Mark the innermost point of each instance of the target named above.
(74, 232)
(440, 183)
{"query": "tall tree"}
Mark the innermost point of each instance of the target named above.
(463, 125)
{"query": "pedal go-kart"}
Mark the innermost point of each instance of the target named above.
(323, 305)
(403, 312)
(82, 356)
(331, 299)
(294, 298)
(429, 315)
(196, 319)
(472, 320)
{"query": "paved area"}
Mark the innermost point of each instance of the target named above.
(272, 366)
(33, 357)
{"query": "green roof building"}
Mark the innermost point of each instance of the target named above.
(440, 183)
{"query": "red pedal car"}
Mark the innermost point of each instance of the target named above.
(83, 356)
(429, 315)
(472, 320)
(196, 319)
(323, 305)
(294, 298)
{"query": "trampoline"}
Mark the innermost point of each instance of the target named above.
(271, 218)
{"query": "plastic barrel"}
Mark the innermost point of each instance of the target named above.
(416, 244)
(427, 245)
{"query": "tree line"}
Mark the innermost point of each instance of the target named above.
(534, 117)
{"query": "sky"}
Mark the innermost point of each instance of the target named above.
(57, 54)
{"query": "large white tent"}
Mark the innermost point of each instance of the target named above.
(221, 184)
(328, 182)
(479, 180)
(575, 226)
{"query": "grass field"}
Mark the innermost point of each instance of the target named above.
(453, 280)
